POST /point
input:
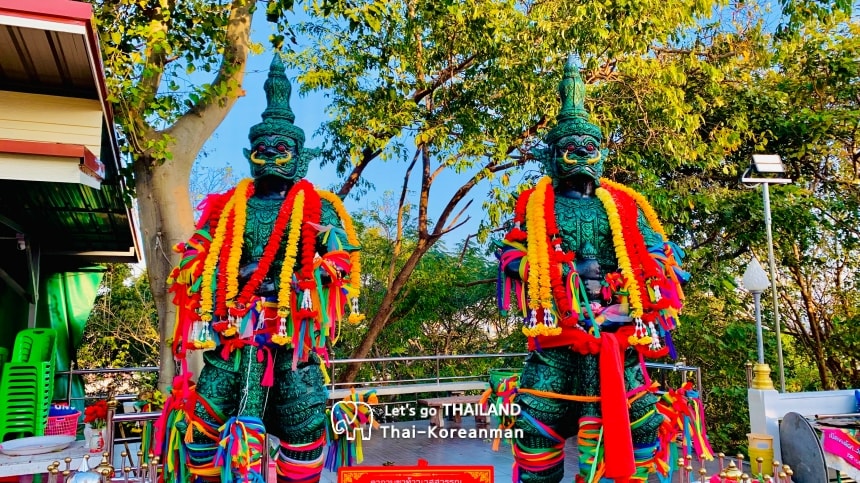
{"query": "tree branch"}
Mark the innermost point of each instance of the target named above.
(461, 192)
(484, 281)
(156, 59)
(401, 206)
(443, 77)
(424, 196)
(367, 155)
(197, 124)
(454, 223)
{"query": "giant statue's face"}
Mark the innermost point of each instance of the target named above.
(577, 155)
(276, 155)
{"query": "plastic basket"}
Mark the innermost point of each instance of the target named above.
(62, 421)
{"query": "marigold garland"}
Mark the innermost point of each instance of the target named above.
(244, 190)
(291, 251)
(220, 308)
(624, 263)
(643, 203)
(312, 214)
(648, 273)
(272, 247)
(351, 236)
(209, 266)
(547, 292)
(207, 286)
(353, 288)
(540, 290)
(567, 314)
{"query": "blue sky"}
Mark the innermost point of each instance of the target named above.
(225, 146)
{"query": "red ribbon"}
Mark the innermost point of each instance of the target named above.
(620, 464)
(269, 374)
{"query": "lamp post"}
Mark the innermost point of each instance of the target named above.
(762, 165)
(755, 281)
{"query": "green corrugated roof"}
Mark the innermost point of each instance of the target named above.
(67, 217)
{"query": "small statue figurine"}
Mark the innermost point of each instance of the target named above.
(601, 289)
(263, 283)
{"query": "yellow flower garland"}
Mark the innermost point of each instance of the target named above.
(354, 287)
(292, 249)
(646, 207)
(533, 258)
(635, 296)
(239, 219)
(540, 289)
(206, 295)
(286, 275)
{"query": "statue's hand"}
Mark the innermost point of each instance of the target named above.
(245, 271)
(267, 286)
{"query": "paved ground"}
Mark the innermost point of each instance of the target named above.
(385, 449)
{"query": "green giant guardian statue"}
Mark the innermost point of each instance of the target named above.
(599, 287)
(261, 286)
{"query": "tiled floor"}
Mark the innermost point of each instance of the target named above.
(386, 449)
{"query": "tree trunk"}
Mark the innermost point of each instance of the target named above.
(386, 308)
(166, 219)
(164, 205)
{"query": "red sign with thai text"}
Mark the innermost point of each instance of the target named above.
(416, 474)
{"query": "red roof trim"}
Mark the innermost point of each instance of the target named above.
(42, 149)
(89, 161)
(48, 10)
(92, 166)
(76, 13)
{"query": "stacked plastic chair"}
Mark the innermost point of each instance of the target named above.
(27, 384)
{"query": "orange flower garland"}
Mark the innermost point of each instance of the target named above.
(240, 217)
(286, 275)
(353, 288)
(624, 263)
(643, 203)
(213, 302)
(211, 263)
(640, 278)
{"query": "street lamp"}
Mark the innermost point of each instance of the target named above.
(755, 281)
(762, 166)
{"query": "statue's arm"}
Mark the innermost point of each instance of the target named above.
(652, 238)
(511, 253)
(659, 248)
(669, 257)
(332, 235)
(193, 252)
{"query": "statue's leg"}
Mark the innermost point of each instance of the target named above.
(216, 401)
(545, 423)
(644, 418)
(296, 415)
(216, 388)
(227, 389)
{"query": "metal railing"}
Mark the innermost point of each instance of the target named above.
(678, 368)
(437, 377)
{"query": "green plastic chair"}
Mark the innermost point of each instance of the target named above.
(26, 384)
(4, 357)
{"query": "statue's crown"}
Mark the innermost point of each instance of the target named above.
(278, 117)
(572, 117)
